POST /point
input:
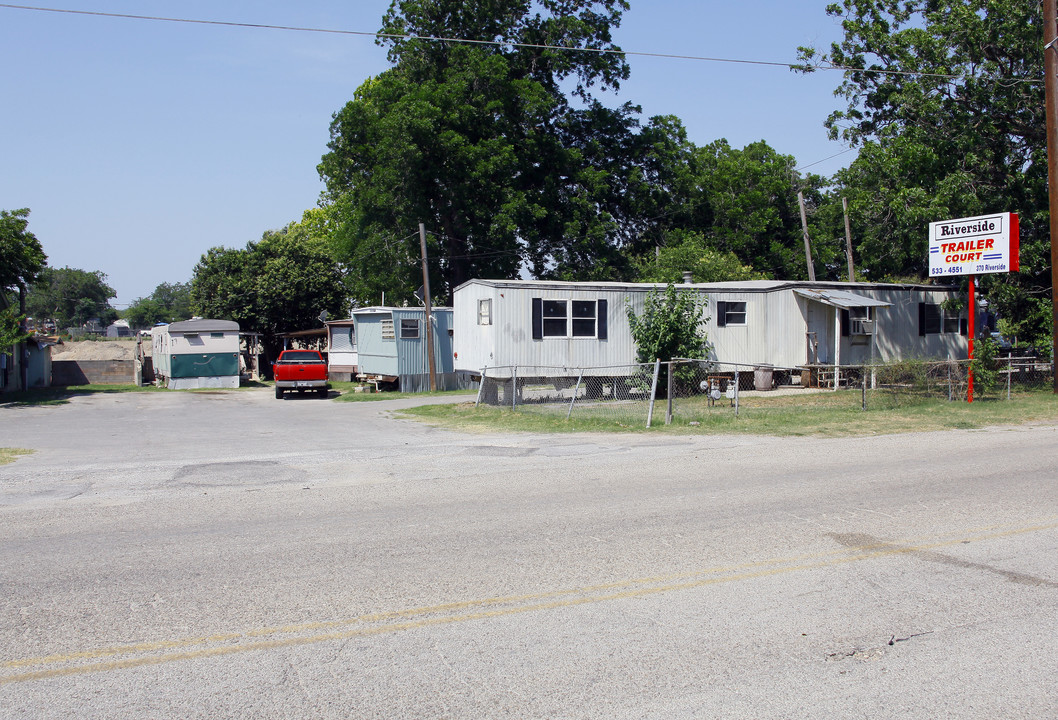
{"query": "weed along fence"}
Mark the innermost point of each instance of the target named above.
(695, 392)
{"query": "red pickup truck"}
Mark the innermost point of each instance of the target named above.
(300, 371)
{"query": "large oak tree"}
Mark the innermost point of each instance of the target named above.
(482, 144)
(945, 98)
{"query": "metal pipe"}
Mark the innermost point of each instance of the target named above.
(576, 391)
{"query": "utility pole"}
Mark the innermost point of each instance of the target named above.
(808, 246)
(426, 301)
(848, 239)
(1050, 73)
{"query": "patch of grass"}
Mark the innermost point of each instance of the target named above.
(348, 394)
(62, 395)
(831, 414)
(9, 455)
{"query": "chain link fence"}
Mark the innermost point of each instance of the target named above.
(693, 391)
(620, 393)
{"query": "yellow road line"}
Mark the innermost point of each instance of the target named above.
(500, 607)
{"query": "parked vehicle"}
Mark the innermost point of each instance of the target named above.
(1003, 346)
(300, 371)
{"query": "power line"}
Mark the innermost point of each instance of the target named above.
(817, 162)
(468, 41)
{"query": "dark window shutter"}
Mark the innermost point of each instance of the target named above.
(538, 319)
(964, 327)
(845, 323)
(601, 319)
(721, 314)
(922, 319)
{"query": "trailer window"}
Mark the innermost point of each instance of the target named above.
(583, 312)
(569, 318)
(485, 311)
(409, 328)
(555, 318)
(730, 313)
(935, 320)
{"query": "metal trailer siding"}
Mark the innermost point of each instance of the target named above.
(341, 344)
(473, 344)
(160, 351)
(778, 321)
(375, 355)
(898, 335)
(194, 358)
(412, 357)
(508, 341)
(405, 358)
(775, 332)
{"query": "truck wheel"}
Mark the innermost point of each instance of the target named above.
(279, 393)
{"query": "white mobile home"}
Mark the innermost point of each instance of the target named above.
(503, 323)
(196, 353)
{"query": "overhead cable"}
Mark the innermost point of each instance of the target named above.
(468, 41)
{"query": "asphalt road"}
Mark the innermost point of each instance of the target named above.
(177, 555)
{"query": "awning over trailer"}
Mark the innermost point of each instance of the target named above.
(840, 298)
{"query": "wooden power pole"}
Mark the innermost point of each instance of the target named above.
(426, 301)
(1050, 73)
(848, 240)
(808, 245)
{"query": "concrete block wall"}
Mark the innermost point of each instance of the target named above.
(95, 372)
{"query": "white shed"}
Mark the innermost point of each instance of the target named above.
(197, 353)
(342, 357)
(502, 323)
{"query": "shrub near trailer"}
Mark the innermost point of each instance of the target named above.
(670, 327)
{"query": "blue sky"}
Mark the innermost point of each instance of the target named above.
(139, 145)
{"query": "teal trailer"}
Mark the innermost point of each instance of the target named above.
(197, 353)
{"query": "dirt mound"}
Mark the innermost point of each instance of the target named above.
(97, 350)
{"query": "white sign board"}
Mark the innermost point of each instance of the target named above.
(974, 246)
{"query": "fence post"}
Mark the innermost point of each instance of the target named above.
(736, 392)
(653, 391)
(668, 410)
(1010, 371)
(863, 382)
(576, 390)
(514, 387)
(481, 386)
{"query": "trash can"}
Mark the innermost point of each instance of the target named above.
(763, 376)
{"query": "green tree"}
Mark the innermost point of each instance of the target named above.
(686, 251)
(21, 260)
(277, 284)
(755, 213)
(11, 329)
(945, 98)
(168, 303)
(70, 297)
(481, 144)
(671, 325)
(21, 256)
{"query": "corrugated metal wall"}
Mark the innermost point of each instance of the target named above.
(775, 330)
(375, 355)
(509, 340)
